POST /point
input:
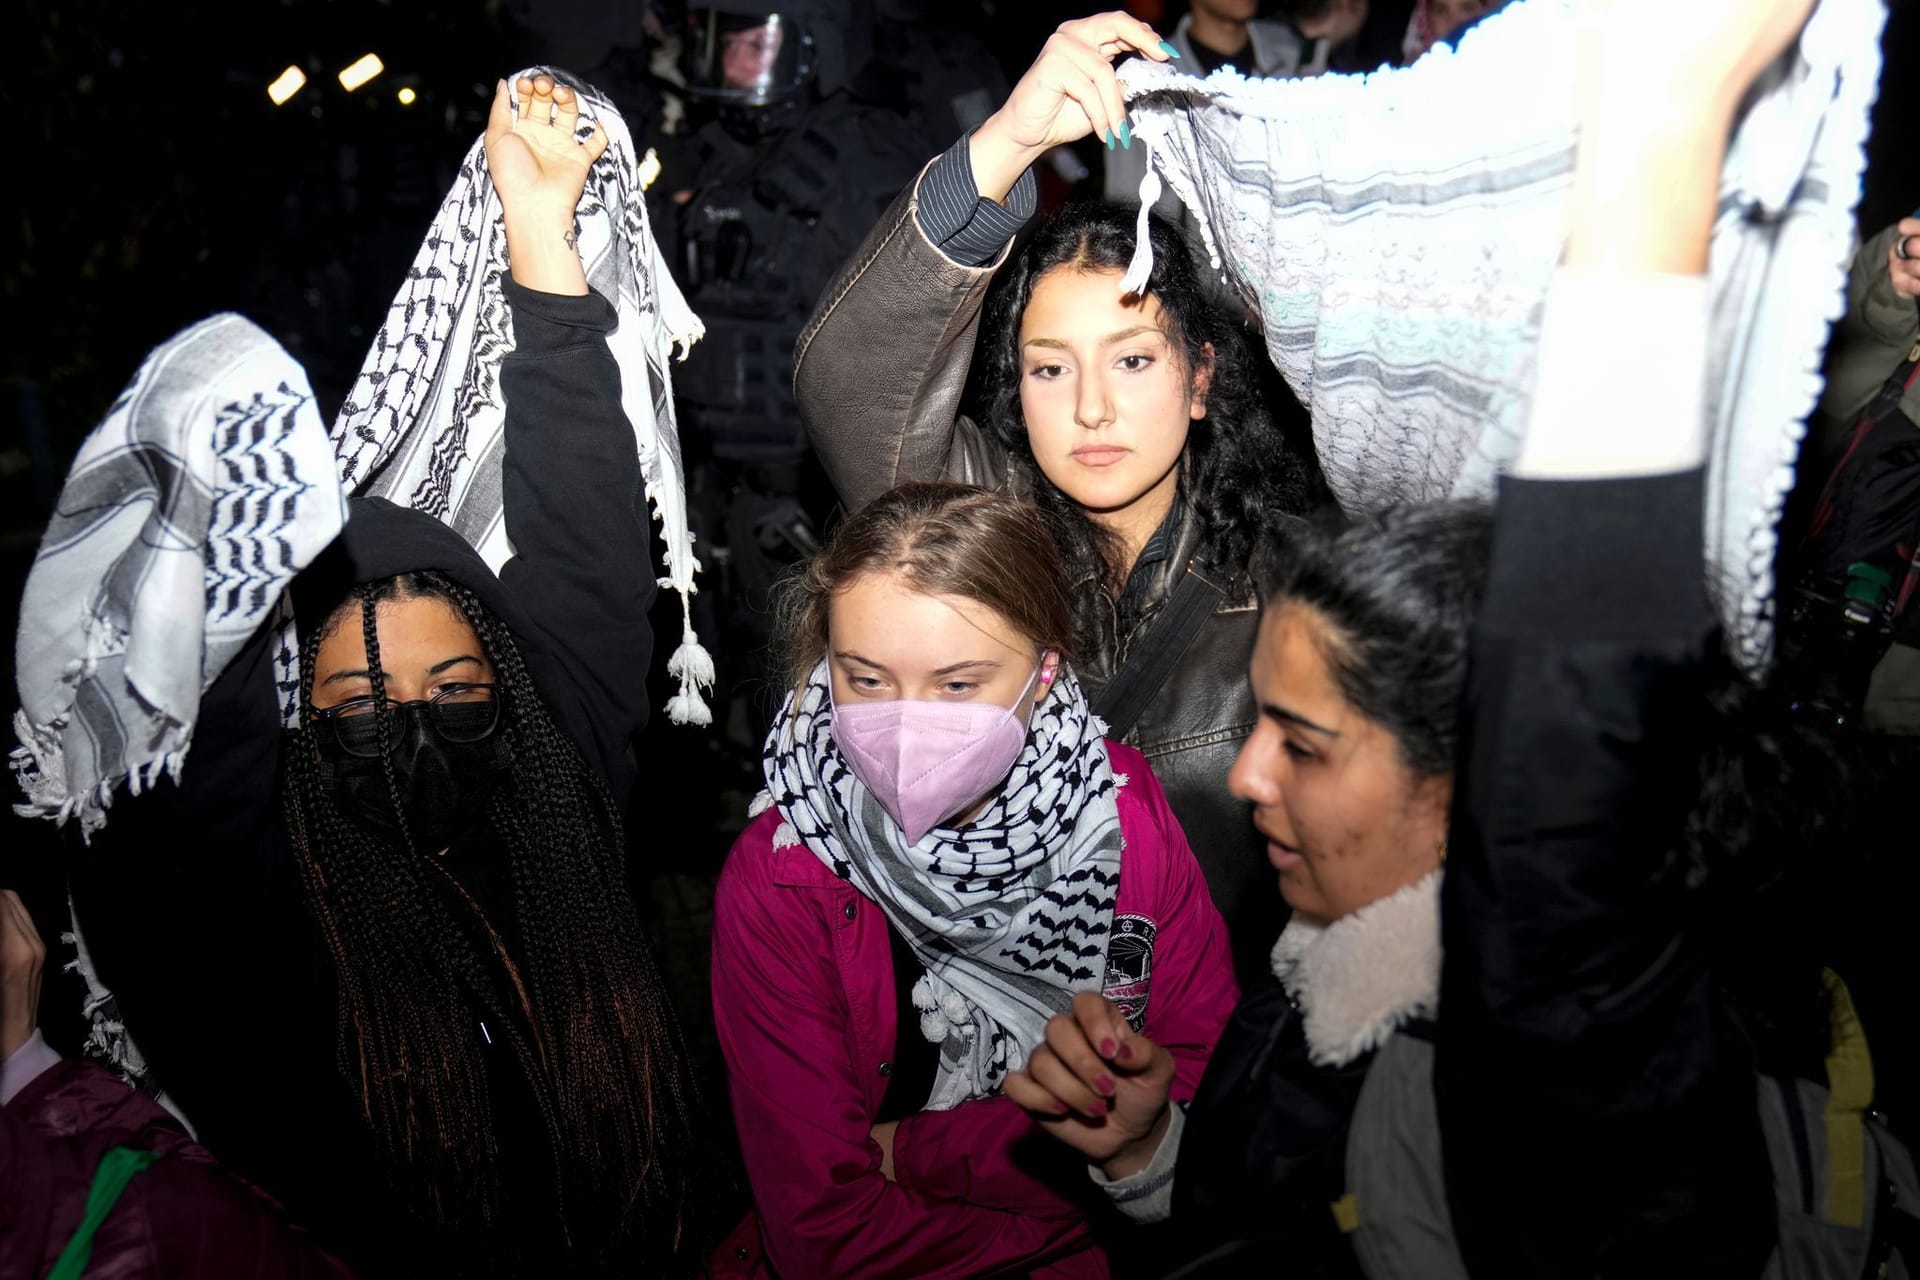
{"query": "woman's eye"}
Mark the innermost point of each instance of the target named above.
(958, 688)
(865, 683)
(1046, 371)
(1298, 752)
(1135, 363)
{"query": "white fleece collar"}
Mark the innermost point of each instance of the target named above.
(1357, 979)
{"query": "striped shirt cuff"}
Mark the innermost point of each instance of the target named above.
(1147, 1196)
(966, 227)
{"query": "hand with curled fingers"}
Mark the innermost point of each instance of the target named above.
(1098, 1086)
(539, 170)
(1068, 92)
(22, 956)
(532, 153)
(1903, 258)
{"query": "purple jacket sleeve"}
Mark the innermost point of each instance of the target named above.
(182, 1215)
(978, 1153)
(804, 1123)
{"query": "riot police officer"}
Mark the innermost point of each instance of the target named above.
(783, 174)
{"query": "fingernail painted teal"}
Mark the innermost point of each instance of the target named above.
(1109, 139)
(1171, 51)
(1126, 135)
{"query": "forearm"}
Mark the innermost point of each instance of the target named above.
(988, 1153)
(543, 247)
(575, 508)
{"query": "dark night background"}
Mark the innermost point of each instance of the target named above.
(151, 182)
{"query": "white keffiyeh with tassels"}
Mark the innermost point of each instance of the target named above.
(185, 515)
(424, 423)
(1396, 234)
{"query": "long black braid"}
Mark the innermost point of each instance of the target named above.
(583, 1012)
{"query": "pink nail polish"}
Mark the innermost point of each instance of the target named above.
(1125, 1052)
(1106, 1047)
(1061, 1107)
(1099, 1107)
(1103, 1084)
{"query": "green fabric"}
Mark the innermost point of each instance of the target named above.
(116, 1170)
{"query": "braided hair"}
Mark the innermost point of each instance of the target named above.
(426, 982)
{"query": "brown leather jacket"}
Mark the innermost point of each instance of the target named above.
(879, 372)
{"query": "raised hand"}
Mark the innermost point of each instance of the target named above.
(539, 168)
(531, 149)
(1098, 1086)
(1068, 92)
(22, 956)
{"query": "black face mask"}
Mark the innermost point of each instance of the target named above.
(445, 786)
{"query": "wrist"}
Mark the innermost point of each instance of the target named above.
(1137, 1153)
(546, 258)
(997, 159)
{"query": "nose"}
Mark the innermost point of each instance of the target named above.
(1255, 775)
(1093, 404)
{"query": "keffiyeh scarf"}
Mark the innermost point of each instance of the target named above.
(424, 423)
(1010, 915)
(185, 515)
(1399, 261)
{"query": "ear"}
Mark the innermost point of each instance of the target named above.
(1049, 668)
(1202, 383)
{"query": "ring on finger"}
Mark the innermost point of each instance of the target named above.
(1900, 249)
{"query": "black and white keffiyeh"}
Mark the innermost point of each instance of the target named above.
(188, 510)
(1010, 915)
(424, 423)
(1397, 233)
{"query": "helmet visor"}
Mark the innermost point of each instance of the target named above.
(746, 58)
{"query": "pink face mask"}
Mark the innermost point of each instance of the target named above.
(926, 761)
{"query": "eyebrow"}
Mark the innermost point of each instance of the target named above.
(1285, 716)
(1107, 341)
(362, 673)
(970, 664)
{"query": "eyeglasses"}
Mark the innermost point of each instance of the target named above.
(460, 713)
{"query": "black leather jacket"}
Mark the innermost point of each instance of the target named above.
(879, 373)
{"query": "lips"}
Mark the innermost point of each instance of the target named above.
(1283, 856)
(1099, 455)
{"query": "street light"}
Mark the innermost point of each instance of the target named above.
(286, 84)
(358, 73)
(406, 95)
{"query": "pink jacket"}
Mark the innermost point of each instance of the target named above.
(803, 995)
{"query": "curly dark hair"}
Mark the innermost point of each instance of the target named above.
(582, 1011)
(1238, 473)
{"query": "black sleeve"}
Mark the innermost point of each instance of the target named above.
(1597, 1110)
(178, 882)
(576, 511)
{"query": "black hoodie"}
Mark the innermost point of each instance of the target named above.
(192, 908)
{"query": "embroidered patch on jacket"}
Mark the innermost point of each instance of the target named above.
(1130, 967)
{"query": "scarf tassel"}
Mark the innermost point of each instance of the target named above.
(692, 665)
(1141, 268)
